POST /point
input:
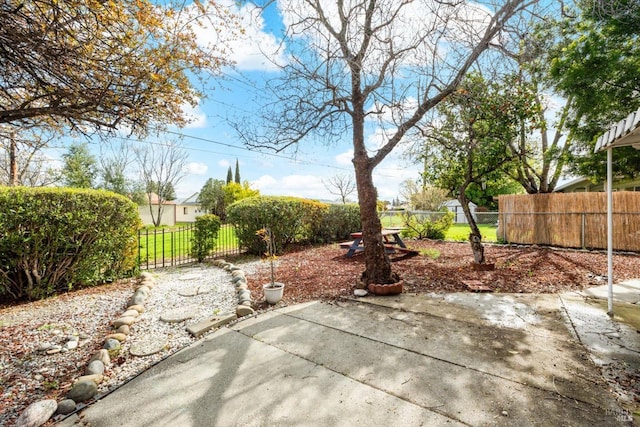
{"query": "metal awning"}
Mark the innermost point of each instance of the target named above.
(625, 133)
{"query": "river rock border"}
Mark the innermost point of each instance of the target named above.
(86, 386)
(239, 281)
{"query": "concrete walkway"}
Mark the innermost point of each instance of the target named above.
(425, 360)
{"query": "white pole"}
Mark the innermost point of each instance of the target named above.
(610, 231)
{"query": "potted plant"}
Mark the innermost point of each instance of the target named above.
(273, 290)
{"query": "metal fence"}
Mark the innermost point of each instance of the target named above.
(392, 219)
(167, 247)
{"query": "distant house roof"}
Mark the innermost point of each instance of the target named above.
(625, 132)
(191, 200)
(572, 183)
(153, 199)
(456, 202)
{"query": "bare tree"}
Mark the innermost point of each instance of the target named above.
(162, 167)
(22, 161)
(390, 60)
(341, 185)
(422, 198)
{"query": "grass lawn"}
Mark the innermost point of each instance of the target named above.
(176, 242)
(460, 232)
(457, 232)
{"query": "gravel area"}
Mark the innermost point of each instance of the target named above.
(28, 374)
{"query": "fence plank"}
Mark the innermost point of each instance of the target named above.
(577, 220)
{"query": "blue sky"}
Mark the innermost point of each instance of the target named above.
(213, 145)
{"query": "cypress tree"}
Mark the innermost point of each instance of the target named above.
(229, 175)
(237, 172)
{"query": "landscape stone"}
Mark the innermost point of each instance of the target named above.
(96, 378)
(83, 390)
(111, 344)
(200, 328)
(138, 308)
(137, 299)
(242, 286)
(237, 273)
(37, 413)
(83, 336)
(177, 315)
(54, 350)
(148, 346)
(44, 346)
(123, 329)
(238, 279)
(146, 275)
(360, 292)
(234, 268)
(66, 406)
(245, 302)
(70, 345)
(103, 356)
(123, 321)
(118, 337)
(73, 338)
(244, 294)
(243, 310)
(95, 368)
(144, 290)
(130, 313)
(192, 291)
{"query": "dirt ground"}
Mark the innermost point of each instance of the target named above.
(324, 272)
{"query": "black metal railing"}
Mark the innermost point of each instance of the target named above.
(171, 246)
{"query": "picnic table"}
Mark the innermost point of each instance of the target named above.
(390, 237)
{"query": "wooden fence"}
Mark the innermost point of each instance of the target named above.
(573, 220)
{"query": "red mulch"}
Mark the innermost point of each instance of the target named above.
(323, 272)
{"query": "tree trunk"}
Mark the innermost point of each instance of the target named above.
(377, 263)
(13, 162)
(475, 238)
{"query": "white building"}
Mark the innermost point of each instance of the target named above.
(455, 207)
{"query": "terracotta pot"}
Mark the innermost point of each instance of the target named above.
(386, 289)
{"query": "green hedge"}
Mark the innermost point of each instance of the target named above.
(427, 226)
(56, 239)
(290, 219)
(338, 222)
(204, 236)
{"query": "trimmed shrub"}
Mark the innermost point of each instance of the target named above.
(204, 236)
(55, 239)
(427, 226)
(338, 222)
(290, 219)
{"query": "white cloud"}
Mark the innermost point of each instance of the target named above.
(265, 183)
(197, 168)
(305, 186)
(224, 163)
(344, 159)
(255, 49)
(196, 117)
(249, 47)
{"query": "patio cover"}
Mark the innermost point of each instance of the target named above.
(625, 132)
